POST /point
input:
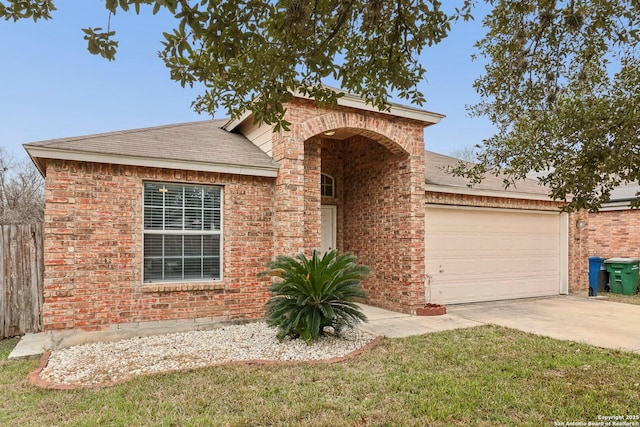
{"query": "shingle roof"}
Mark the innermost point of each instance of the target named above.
(206, 146)
(435, 174)
(202, 143)
(625, 192)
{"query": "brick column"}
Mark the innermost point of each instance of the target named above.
(579, 252)
(288, 151)
(415, 262)
(312, 203)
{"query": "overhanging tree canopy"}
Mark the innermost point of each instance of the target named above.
(253, 54)
(562, 82)
(562, 85)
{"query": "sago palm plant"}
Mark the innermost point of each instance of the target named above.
(314, 293)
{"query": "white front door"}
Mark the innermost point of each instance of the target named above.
(327, 228)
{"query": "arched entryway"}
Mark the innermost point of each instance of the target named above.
(377, 163)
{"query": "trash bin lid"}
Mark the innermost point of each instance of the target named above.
(622, 261)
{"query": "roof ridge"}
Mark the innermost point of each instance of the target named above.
(445, 155)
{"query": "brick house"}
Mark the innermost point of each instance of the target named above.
(166, 228)
(612, 232)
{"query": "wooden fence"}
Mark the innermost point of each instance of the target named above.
(21, 277)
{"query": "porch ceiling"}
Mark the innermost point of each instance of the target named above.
(342, 134)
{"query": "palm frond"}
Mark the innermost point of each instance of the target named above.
(312, 293)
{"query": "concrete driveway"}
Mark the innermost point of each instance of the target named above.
(588, 320)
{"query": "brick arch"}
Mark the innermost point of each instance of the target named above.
(386, 132)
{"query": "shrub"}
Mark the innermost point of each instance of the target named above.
(315, 293)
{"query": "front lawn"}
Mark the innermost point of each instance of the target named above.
(481, 376)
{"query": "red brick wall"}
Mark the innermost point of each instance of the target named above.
(614, 234)
(312, 170)
(378, 223)
(607, 234)
(490, 202)
(93, 249)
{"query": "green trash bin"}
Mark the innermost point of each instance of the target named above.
(623, 275)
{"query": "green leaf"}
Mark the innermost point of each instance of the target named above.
(314, 292)
(124, 5)
(111, 5)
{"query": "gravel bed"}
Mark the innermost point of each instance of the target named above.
(108, 362)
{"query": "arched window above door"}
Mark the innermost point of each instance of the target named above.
(327, 185)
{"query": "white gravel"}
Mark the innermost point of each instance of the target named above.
(109, 362)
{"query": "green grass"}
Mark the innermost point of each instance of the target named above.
(482, 376)
(6, 346)
(609, 296)
(627, 299)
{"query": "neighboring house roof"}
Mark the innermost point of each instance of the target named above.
(625, 192)
(439, 180)
(621, 197)
(202, 146)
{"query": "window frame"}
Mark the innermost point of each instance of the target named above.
(182, 232)
(323, 185)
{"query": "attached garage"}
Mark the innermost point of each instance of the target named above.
(477, 254)
(487, 244)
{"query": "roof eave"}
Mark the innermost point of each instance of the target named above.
(234, 123)
(617, 205)
(38, 153)
(427, 117)
(36, 161)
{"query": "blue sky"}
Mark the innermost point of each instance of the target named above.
(52, 87)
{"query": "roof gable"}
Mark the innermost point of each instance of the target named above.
(357, 102)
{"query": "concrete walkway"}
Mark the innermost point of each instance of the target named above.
(592, 321)
(589, 320)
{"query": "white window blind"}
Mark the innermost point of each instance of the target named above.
(182, 232)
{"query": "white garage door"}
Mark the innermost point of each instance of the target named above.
(477, 254)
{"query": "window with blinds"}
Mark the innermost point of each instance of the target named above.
(182, 232)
